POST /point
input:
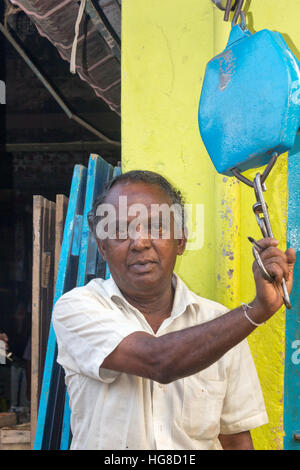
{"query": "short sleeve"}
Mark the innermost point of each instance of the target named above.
(244, 406)
(87, 331)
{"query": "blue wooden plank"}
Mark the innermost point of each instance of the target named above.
(116, 172)
(77, 235)
(66, 430)
(292, 334)
(99, 172)
(65, 281)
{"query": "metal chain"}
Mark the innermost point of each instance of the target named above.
(260, 210)
(264, 223)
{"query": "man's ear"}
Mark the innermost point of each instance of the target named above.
(101, 248)
(182, 243)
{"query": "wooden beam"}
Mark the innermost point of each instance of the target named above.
(95, 147)
(107, 121)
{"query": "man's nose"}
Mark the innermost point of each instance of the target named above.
(140, 239)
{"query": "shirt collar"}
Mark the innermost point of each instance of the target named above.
(182, 299)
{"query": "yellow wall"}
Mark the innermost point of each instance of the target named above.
(162, 72)
(165, 47)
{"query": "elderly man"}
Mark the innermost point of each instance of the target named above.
(148, 363)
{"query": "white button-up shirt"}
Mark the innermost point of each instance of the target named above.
(114, 410)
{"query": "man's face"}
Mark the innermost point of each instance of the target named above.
(141, 263)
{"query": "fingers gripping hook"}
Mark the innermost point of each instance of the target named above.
(263, 270)
(266, 275)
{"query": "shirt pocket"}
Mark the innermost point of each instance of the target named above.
(202, 406)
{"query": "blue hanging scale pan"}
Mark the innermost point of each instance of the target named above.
(249, 110)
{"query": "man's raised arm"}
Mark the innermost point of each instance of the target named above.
(182, 353)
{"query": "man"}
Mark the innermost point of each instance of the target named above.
(149, 364)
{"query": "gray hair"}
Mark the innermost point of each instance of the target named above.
(136, 176)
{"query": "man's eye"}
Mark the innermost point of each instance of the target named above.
(122, 233)
(157, 229)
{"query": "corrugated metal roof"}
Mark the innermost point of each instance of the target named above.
(98, 45)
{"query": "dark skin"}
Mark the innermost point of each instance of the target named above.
(143, 267)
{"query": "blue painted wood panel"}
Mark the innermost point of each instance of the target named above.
(99, 172)
(292, 335)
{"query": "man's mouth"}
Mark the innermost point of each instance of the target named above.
(142, 266)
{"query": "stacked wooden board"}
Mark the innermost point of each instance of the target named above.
(48, 225)
(79, 262)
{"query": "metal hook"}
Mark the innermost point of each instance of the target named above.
(227, 10)
(238, 12)
(232, 5)
(223, 4)
(266, 172)
(243, 20)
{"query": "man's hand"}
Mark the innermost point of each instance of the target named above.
(269, 296)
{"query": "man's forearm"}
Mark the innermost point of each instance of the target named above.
(186, 352)
(181, 353)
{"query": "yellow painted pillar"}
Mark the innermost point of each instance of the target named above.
(227, 208)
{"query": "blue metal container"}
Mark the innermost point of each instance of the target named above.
(250, 101)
